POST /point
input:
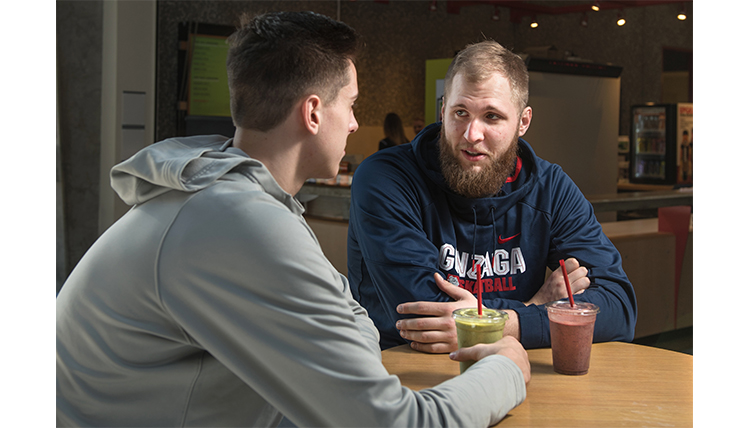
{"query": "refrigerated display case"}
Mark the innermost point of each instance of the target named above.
(661, 144)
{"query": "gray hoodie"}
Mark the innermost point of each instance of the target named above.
(210, 303)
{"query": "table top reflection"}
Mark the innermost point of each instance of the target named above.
(627, 385)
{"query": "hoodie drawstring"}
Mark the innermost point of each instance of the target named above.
(494, 232)
(474, 239)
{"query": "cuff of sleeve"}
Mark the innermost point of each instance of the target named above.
(533, 326)
(516, 384)
(507, 392)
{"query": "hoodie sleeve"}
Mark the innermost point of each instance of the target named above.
(390, 258)
(575, 232)
(362, 319)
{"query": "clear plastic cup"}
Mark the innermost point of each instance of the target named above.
(471, 328)
(571, 332)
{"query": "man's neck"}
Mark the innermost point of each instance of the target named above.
(278, 152)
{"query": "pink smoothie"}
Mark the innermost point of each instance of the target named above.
(571, 334)
(571, 347)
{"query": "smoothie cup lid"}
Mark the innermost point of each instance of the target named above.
(488, 315)
(580, 308)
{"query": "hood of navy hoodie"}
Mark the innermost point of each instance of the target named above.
(426, 152)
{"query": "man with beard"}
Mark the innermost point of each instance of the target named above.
(469, 191)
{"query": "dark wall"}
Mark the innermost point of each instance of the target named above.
(401, 35)
(637, 46)
(79, 83)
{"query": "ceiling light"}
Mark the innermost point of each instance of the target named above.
(496, 15)
(595, 6)
(584, 21)
(534, 24)
(620, 19)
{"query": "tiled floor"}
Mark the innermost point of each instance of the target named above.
(677, 340)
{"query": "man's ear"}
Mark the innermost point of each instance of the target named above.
(525, 121)
(311, 113)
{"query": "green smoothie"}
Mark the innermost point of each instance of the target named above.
(471, 328)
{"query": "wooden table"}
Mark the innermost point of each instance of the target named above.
(627, 385)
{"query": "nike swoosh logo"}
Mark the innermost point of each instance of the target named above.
(502, 241)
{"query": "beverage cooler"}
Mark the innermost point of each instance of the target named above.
(661, 144)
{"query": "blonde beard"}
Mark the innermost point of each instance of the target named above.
(480, 184)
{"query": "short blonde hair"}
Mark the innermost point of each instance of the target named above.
(479, 60)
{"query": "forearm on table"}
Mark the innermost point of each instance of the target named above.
(617, 312)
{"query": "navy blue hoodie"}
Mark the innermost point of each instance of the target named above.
(405, 224)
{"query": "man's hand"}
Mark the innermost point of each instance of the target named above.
(554, 287)
(436, 332)
(507, 346)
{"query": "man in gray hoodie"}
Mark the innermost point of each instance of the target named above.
(210, 303)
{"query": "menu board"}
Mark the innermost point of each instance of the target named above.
(208, 90)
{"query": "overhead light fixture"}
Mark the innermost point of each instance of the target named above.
(534, 24)
(433, 5)
(682, 16)
(496, 15)
(584, 20)
(595, 7)
(620, 19)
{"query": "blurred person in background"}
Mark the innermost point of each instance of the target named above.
(394, 132)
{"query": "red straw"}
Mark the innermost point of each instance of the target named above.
(478, 268)
(567, 282)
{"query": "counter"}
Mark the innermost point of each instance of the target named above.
(328, 202)
(332, 202)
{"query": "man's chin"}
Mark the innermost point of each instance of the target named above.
(473, 167)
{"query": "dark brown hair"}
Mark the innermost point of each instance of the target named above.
(275, 59)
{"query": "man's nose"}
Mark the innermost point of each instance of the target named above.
(474, 132)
